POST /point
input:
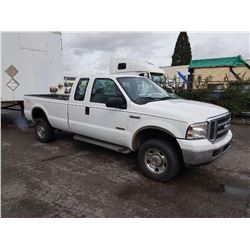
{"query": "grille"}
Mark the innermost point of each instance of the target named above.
(218, 127)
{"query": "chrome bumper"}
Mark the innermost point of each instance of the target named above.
(204, 152)
(201, 158)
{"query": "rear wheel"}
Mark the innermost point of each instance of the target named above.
(43, 130)
(158, 160)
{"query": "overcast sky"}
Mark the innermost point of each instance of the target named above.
(90, 52)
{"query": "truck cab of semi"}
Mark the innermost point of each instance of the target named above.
(125, 65)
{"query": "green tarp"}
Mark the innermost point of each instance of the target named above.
(218, 62)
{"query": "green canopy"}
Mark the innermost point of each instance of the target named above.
(218, 62)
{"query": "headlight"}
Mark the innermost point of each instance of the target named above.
(197, 131)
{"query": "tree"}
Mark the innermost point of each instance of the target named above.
(182, 51)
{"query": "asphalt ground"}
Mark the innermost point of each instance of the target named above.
(67, 178)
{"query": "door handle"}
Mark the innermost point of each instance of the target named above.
(86, 110)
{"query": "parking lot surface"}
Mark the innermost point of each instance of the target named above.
(66, 178)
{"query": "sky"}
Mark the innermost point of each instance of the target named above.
(90, 52)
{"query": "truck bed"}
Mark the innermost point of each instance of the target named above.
(52, 96)
(53, 105)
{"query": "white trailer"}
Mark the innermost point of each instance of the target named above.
(130, 66)
(31, 63)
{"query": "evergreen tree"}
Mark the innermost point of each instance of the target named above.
(182, 51)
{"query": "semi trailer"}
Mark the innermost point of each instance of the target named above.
(32, 63)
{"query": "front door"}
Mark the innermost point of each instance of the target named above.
(107, 124)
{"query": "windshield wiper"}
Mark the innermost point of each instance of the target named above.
(165, 98)
(147, 98)
(150, 99)
(144, 99)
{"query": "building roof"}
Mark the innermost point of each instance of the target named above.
(218, 62)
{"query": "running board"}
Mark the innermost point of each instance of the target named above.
(103, 144)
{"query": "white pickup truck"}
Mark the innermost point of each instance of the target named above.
(131, 113)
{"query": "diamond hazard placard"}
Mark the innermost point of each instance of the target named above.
(12, 84)
(11, 71)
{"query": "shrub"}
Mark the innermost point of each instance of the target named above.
(202, 95)
(234, 98)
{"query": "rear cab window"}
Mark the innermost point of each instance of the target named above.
(81, 89)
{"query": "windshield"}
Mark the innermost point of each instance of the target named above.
(157, 77)
(142, 90)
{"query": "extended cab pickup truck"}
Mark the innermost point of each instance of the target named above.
(131, 113)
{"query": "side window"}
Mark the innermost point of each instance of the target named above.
(81, 89)
(122, 66)
(103, 89)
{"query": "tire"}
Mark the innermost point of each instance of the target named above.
(44, 131)
(159, 160)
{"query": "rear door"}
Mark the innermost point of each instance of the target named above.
(77, 107)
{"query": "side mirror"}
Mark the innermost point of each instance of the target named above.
(116, 102)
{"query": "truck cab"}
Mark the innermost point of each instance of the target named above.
(125, 65)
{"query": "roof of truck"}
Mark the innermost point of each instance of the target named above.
(132, 65)
(108, 75)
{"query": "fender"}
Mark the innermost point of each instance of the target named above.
(175, 129)
(38, 106)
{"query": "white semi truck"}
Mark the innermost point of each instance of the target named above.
(32, 63)
(125, 65)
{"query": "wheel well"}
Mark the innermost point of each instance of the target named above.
(38, 113)
(155, 133)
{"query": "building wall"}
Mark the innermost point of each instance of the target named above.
(243, 71)
(171, 71)
(218, 74)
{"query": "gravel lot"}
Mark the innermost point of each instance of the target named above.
(67, 178)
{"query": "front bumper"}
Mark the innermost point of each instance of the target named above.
(200, 152)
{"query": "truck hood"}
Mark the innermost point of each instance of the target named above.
(185, 110)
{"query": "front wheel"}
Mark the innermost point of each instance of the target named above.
(158, 160)
(43, 130)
